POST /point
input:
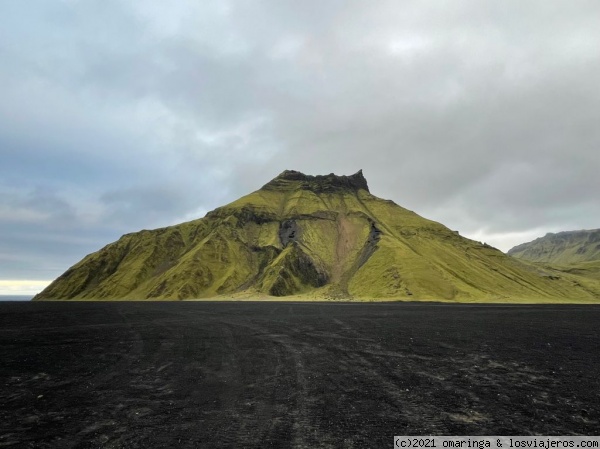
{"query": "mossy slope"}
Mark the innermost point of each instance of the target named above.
(562, 248)
(319, 236)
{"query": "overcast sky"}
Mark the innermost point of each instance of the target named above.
(121, 115)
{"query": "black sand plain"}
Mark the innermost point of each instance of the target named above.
(276, 374)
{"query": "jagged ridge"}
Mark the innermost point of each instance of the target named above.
(561, 248)
(291, 180)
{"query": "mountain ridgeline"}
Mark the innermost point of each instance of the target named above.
(315, 237)
(561, 248)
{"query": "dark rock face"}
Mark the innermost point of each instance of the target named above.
(288, 232)
(370, 245)
(298, 266)
(244, 215)
(319, 184)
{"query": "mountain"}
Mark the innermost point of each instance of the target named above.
(311, 236)
(561, 248)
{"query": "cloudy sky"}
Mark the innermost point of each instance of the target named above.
(121, 115)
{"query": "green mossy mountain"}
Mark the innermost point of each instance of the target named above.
(562, 248)
(315, 237)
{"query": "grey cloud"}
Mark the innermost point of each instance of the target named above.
(42, 233)
(480, 115)
(134, 206)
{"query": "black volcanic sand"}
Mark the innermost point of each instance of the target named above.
(147, 375)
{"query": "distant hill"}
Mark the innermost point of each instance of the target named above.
(562, 248)
(315, 237)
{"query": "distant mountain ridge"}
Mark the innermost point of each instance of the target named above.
(561, 248)
(314, 237)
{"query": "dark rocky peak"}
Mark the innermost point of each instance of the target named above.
(291, 179)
